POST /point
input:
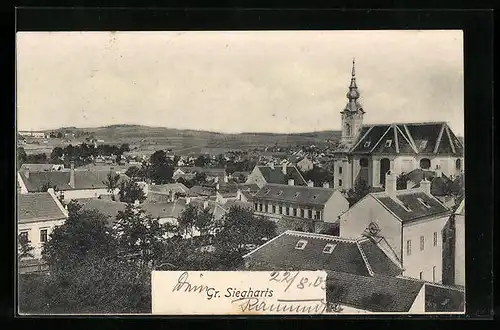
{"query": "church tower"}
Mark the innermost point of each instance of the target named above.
(352, 115)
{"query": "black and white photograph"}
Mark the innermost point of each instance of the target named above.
(194, 152)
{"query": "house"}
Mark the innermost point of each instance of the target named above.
(233, 191)
(411, 221)
(38, 214)
(305, 164)
(41, 167)
(299, 207)
(440, 184)
(362, 275)
(165, 192)
(38, 135)
(69, 184)
(367, 152)
(261, 175)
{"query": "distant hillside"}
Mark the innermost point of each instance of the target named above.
(148, 138)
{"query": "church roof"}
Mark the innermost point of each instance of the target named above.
(430, 138)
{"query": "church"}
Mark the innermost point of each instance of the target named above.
(368, 152)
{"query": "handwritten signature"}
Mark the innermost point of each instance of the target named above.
(182, 283)
(298, 306)
(290, 278)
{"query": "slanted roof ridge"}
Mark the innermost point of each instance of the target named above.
(439, 285)
(299, 187)
(407, 123)
(365, 259)
(321, 236)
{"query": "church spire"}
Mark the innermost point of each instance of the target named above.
(353, 93)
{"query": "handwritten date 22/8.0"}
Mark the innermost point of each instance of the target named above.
(290, 278)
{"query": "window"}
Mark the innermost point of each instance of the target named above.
(43, 235)
(363, 162)
(458, 164)
(388, 143)
(261, 207)
(24, 236)
(423, 144)
(340, 182)
(268, 191)
(367, 144)
(329, 248)
(310, 214)
(424, 203)
(294, 212)
(274, 208)
(318, 215)
(302, 213)
(406, 207)
(422, 241)
(256, 206)
(408, 247)
(281, 210)
(421, 275)
(267, 208)
(280, 192)
(340, 169)
(301, 245)
(287, 210)
(433, 273)
(296, 195)
(425, 163)
(435, 238)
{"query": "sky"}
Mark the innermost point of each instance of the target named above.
(248, 81)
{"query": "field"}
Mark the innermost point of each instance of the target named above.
(145, 140)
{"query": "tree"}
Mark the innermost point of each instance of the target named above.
(361, 189)
(201, 161)
(24, 247)
(21, 157)
(124, 148)
(56, 154)
(240, 228)
(204, 220)
(133, 172)
(160, 168)
(112, 183)
(131, 192)
(318, 175)
(187, 219)
(138, 234)
(402, 181)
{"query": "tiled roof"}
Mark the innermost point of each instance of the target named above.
(207, 170)
(201, 191)
(345, 257)
(440, 299)
(234, 202)
(295, 194)
(38, 207)
(108, 208)
(461, 208)
(377, 293)
(276, 175)
(38, 167)
(410, 199)
(247, 194)
(83, 180)
(438, 184)
(411, 138)
(165, 188)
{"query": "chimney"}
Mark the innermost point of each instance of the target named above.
(217, 187)
(72, 175)
(226, 178)
(408, 184)
(205, 204)
(326, 185)
(271, 166)
(283, 168)
(438, 171)
(188, 200)
(390, 183)
(216, 179)
(426, 186)
(291, 182)
(27, 172)
(136, 202)
(310, 183)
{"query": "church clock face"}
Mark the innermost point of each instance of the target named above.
(373, 228)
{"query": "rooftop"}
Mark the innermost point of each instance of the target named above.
(295, 194)
(275, 175)
(38, 207)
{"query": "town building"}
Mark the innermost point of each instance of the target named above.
(262, 175)
(362, 276)
(454, 248)
(368, 152)
(300, 207)
(39, 135)
(305, 164)
(410, 221)
(37, 216)
(68, 185)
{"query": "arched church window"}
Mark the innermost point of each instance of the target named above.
(425, 163)
(348, 129)
(363, 162)
(458, 164)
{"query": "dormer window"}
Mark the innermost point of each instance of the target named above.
(268, 191)
(367, 144)
(301, 244)
(424, 203)
(315, 196)
(328, 249)
(388, 143)
(406, 207)
(296, 195)
(280, 192)
(423, 144)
